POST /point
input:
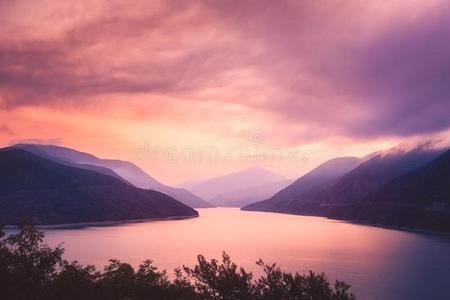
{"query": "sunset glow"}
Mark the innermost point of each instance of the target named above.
(192, 89)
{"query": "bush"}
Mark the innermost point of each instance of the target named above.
(29, 269)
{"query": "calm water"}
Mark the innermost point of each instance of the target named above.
(379, 263)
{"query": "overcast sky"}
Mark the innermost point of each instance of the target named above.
(191, 89)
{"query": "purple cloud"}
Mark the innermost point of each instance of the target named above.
(333, 67)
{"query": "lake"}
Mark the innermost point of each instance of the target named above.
(379, 263)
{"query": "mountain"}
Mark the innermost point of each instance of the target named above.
(243, 197)
(409, 189)
(376, 171)
(53, 193)
(301, 192)
(414, 186)
(247, 178)
(417, 199)
(123, 170)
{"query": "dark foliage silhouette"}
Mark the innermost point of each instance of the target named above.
(29, 269)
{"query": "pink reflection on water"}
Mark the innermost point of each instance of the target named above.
(377, 262)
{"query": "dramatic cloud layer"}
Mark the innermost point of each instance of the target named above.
(303, 72)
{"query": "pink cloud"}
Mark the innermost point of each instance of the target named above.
(311, 70)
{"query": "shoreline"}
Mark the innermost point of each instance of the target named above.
(356, 222)
(393, 227)
(104, 223)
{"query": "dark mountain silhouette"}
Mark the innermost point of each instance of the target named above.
(378, 170)
(415, 186)
(39, 150)
(124, 170)
(243, 197)
(247, 178)
(305, 189)
(417, 199)
(397, 188)
(53, 193)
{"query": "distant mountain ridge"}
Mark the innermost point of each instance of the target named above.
(251, 177)
(405, 188)
(245, 196)
(123, 170)
(49, 192)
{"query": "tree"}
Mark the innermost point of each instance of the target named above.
(31, 270)
(221, 281)
(27, 265)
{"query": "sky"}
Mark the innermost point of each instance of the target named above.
(193, 89)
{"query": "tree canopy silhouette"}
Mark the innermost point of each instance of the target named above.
(30, 269)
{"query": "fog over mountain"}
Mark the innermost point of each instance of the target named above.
(407, 188)
(419, 198)
(376, 171)
(121, 169)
